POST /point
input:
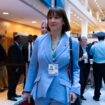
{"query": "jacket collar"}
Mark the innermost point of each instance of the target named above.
(60, 49)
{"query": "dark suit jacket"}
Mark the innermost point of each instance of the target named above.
(3, 57)
(25, 52)
(15, 56)
(84, 67)
(81, 53)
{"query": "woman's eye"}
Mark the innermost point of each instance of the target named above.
(50, 17)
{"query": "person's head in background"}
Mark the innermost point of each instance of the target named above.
(30, 38)
(79, 38)
(16, 38)
(2, 39)
(100, 35)
(83, 41)
(44, 27)
(34, 37)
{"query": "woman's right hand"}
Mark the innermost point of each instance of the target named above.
(27, 95)
(73, 97)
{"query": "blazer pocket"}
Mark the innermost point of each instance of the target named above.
(65, 82)
(37, 79)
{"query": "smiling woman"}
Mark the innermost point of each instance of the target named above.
(48, 81)
(60, 17)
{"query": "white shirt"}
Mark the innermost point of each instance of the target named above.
(29, 50)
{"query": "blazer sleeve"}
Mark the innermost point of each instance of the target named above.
(33, 68)
(13, 55)
(76, 70)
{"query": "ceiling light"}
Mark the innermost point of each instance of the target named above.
(95, 0)
(99, 7)
(34, 22)
(5, 13)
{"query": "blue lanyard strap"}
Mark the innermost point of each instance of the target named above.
(53, 49)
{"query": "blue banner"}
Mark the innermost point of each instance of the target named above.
(60, 3)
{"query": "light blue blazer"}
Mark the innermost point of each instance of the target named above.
(39, 83)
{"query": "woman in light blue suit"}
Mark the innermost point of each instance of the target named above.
(48, 81)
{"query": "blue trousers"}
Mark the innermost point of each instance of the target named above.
(46, 101)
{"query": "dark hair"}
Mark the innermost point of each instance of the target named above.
(61, 13)
(101, 38)
(30, 36)
(16, 38)
(79, 38)
(34, 37)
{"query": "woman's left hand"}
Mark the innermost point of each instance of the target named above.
(73, 97)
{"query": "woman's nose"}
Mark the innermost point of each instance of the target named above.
(52, 19)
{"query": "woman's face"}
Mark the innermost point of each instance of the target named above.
(55, 22)
(44, 28)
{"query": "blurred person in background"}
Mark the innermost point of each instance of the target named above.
(44, 27)
(14, 68)
(98, 52)
(84, 64)
(3, 60)
(27, 53)
(48, 80)
(27, 49)
(34, 37)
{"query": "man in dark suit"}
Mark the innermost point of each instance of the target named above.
(27, 52)
(27, 47)
(3, 59)
(84, 64)
(15, 67)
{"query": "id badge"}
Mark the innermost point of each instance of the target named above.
(53, 69)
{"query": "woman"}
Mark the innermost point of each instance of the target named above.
(48, 80)
(3, 59)
(44, 27)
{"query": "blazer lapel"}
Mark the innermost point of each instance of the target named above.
(47, 48)
(81, 51)
(64, 43)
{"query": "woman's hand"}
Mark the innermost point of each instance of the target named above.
(27, 95)
(73, 97)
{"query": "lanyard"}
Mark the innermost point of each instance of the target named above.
(53, 49)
